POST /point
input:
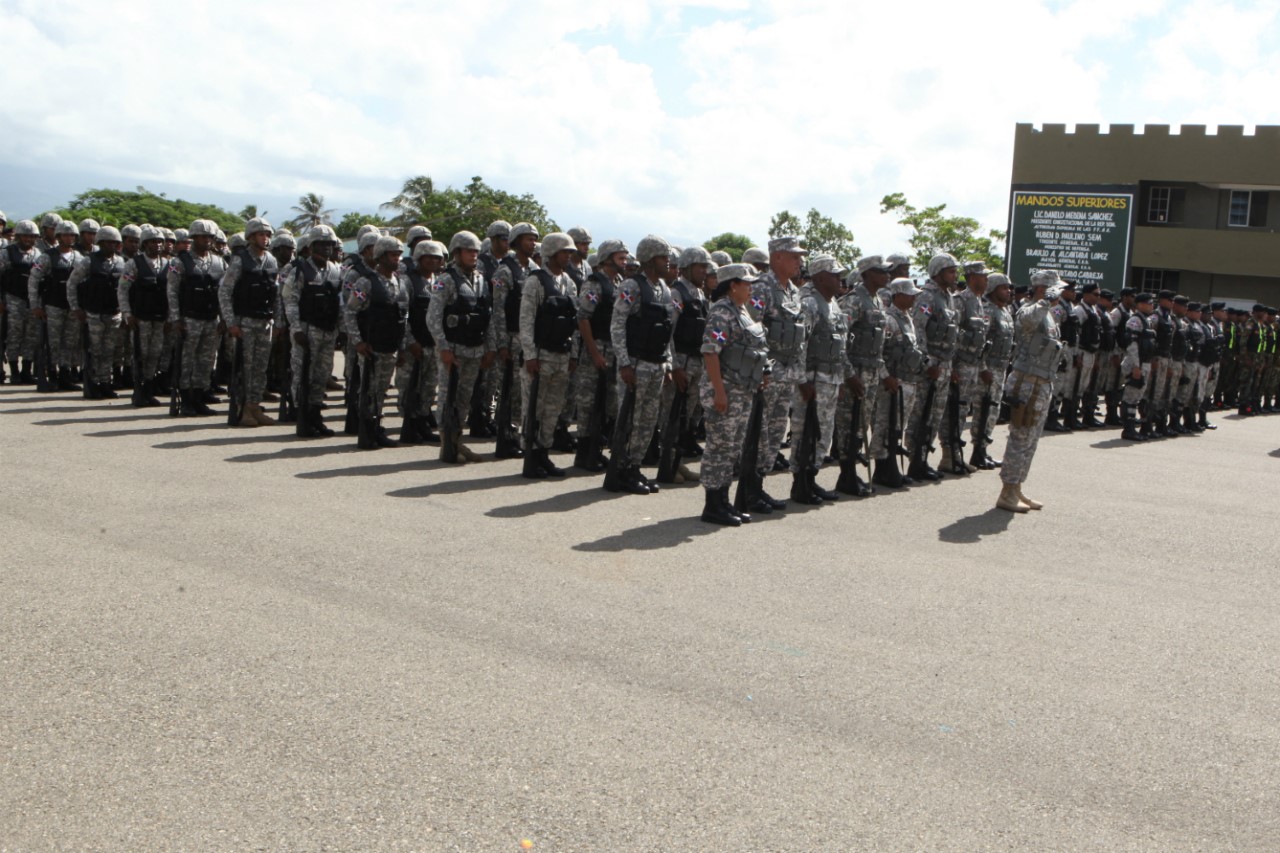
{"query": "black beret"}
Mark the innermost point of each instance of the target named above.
(1144, 297)
(1257, 307)
(1166, 294)
(1106, 294)
(1129, 291)
(1217, 306)
(1180, 300)
(1194, 306)
(1089, 288)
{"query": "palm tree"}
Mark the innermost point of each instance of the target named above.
(311, 212)
(251, 212)
(412, 202)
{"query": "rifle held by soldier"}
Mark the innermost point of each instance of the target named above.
(749, 482)
(236, 385)
(450, 428)
(672, 430)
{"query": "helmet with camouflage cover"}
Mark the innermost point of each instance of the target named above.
(131, 231)
(257, 225)
(367, 240)
(199, 228)
(322, 234)
(651, 247)
(368, 228)
(182, 234)
(522, 228)
(464, 240)
(498, 228)
(284, 240)
(51, 220)
(694, 255)
(150, 232)
(417, 232)
(721, 257)
(66, 226)
(107, 233)
(755, 255)
(387, 244)
(26, 228)
(432, 248)
(89, 226)
(237, 241)
(941, 262)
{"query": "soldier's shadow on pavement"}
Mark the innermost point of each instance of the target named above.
(154, 416)
(966, 531)
(654, 537)
(223, 441)
(457, 487)
(1275, 453)
(1113, 443)
(44, 410)
(310, 451)
(193, 426)
(560, 502)
(415, 464)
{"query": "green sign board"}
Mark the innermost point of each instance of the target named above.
(1083, 231)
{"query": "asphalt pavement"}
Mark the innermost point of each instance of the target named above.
(228, 639)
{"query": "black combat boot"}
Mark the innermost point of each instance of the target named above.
(1113, 412)
(561, 439)
(532, 469)
(1130, 432)
(65, 380)
(741, 515)
(1173, 425)
(826, 494)
(919, 469)
(409, 431)
(1204, 419)
(544, 459)
(1148, 430)
(1070, 420)
(850, 483)
(888, 475)
(1189, 420)
(380, 434)
(802, 489)
(773, 502)
(978, 458)
(689, 446)
(716, 510)
(20, 375)
(126, 377)
(1090, 420)
(429, 436)
(106, 391)
(582, 458)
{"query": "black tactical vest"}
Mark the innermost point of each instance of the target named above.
(512, 302)
(255, 291)
(198, 291)
(53, 286)
(419, 302)
(18, 272)
(319, 299)
(1091, 331)
(557, 317)
(148, 297)
(691, 322)
(649, 328)
(466, 319)
(99, 292)
(602, 316)
(381, 324)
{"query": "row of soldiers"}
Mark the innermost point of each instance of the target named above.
(859, 366)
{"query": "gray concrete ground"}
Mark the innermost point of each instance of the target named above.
(219, 639)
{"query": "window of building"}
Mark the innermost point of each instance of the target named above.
(1153, 281)
(1248, 209)
(1164, 204)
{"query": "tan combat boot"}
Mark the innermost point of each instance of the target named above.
(1026, 500)
(684, 475)
(246, 416)
(944, 464)
(262, 417)
(467, 453)
(1008, 499)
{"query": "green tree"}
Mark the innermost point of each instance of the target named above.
(351, 222)
(734, 244)
(820, 234)
(122, 207)
(250, 211)
(932, 233)
(449, 210)
(311, 211)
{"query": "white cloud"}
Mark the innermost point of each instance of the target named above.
(686, 118)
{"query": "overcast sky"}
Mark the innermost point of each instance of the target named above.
(680, 118)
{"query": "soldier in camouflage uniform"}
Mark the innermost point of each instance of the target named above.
(467, 339)
(193, 279)
(46, 293)
(1029, 388)
(311, 296)
(736, 362)
(1214, 352)
(93, 295)
(1194, 370)
(17, 262)
(937, 331)
(373, 317)
(689, 294)
(775, 302)
(974, 321)
(827, 369)
(905, 361)
(548, 331)
(992, 368)
(420, 276)
(507, 286)
(143, 309)
(864, 309)
(1139, 341)
(1160, 379)
(1066, 314)
(248, 297)
(48, 231)
(88, 237)
(596, 355)
(641, 326)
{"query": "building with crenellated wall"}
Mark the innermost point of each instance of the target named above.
(1206, 222)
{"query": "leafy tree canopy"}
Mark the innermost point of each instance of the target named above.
(121, 207)
(821, 235)
(933, 233)
(447, 211)
(734, 244)
(350, 224)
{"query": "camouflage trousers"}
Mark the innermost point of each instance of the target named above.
(64, 336)
(872, 378)
(693, 408)
(384, 364)
(104, 337)
(1065, 384)
(198, 351)
(1210, 385)
(587, 382)
(320, 343)
(517, 387)
(1175, 384)
(152, 344)
(725, 432)
(644, 418)
(1158, 377)
(826, 394)
(1244, 383)
(255, 345)
(553, 388)
(971, 390)
(468, 368)
(21, 342)
(880, 438)
(777, 408)
(978, 427)
(1025, 428)
(569, 409)
(1191, 383)
(427, 380)
(1108, 372)
(1132, 397)
(933, 418)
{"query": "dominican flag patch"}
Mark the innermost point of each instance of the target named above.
(925, 308)
(719, 336)
(360, 294)
(593, 297)
(757, 302)
(437, 285)
(679, 305)
(627, 297)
